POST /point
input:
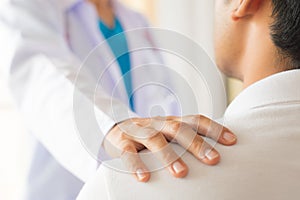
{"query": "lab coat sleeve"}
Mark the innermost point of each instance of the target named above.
(55, 100)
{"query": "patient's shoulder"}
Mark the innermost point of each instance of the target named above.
(249, 170)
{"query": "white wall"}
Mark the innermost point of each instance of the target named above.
(193, 18)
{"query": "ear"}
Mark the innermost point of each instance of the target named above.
(246, 8)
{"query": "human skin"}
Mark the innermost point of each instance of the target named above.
(243, 45)
(105, 11)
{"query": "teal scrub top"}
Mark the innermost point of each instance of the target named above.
(120, 45)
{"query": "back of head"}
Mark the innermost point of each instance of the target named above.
(285, 30)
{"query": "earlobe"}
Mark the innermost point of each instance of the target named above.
(234, 15)
(245, 8)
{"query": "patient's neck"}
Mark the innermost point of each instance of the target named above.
(260, 60)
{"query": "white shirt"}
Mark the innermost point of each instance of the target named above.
(265, 164)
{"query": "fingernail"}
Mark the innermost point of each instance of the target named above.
(178, 167)
(211, 154)
(140, 174)
(229, 137)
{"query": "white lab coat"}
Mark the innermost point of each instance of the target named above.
(50, 39)
(264, 164)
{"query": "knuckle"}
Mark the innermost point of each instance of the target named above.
(126, 146)
(151, 133)
(157, 141)
(174, 126)
(202, 119)
(143, 122)
(155, 137)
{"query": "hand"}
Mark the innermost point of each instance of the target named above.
(126, 139)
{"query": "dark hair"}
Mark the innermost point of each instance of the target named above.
(285, 30)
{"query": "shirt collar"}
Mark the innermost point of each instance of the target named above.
(280, 88)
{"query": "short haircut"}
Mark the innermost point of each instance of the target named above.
(285, 30)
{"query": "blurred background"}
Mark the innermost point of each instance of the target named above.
(193, 18)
